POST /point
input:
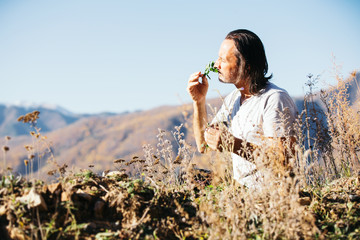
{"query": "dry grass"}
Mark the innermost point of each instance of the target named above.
(308, 191)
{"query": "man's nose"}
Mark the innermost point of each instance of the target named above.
(217, 64)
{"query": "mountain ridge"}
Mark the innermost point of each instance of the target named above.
(52, 117)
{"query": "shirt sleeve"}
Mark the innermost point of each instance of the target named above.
(279, 115)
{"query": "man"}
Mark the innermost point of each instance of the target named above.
(255, 110)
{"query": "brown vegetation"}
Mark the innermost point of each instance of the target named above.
(161, 194)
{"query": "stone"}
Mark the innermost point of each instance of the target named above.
(54, 187)
(65, 196)
(305, 201)
(99, 209)
(33, 199)
(83, 195)
(113, 174)
(16, 233)
(354, 198)
(3, 210)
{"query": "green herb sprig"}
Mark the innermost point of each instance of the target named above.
(210, 68)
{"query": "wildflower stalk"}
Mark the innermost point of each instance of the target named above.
(5, 150)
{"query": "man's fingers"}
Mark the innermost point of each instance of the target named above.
(204, 79)
(194, 78)
(195, 75)
(211, 142)
(191, 84)
(212, 131)
(196, 88)
(212, 137)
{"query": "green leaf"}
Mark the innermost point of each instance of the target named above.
(210, 68)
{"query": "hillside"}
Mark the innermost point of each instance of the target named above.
(99, 140)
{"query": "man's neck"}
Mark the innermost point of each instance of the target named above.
(244, 88)
(245, 93)
(244, 97)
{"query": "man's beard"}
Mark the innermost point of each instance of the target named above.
(220, 80)
(230, 80)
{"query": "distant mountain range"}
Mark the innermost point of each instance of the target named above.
(98, 139)
(51, 118)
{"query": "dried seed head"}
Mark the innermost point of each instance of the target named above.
(91, 166)
(178, 159)
(62, 169)
(29, 117)
(6, 148)
(119, 160)
(32, 156)
(28, 147)
(52, 172)
(26, 162)
(132, 161)
(7, 138)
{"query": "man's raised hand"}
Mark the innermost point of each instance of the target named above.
(197, 89)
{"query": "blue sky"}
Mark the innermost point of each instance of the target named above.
(92, 56)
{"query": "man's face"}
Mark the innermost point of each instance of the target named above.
(227, 64)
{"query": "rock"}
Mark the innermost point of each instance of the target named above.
(354, 198)
(16, 233)
(54, 187)
(83, 195)
(105, 173)
(2, 210)
(304, 201)
(33, 199)
(65, 196)
(112, 174)
(98, 209)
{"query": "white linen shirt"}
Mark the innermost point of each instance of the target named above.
(261, 115)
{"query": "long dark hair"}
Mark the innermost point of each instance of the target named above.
(251, 49)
